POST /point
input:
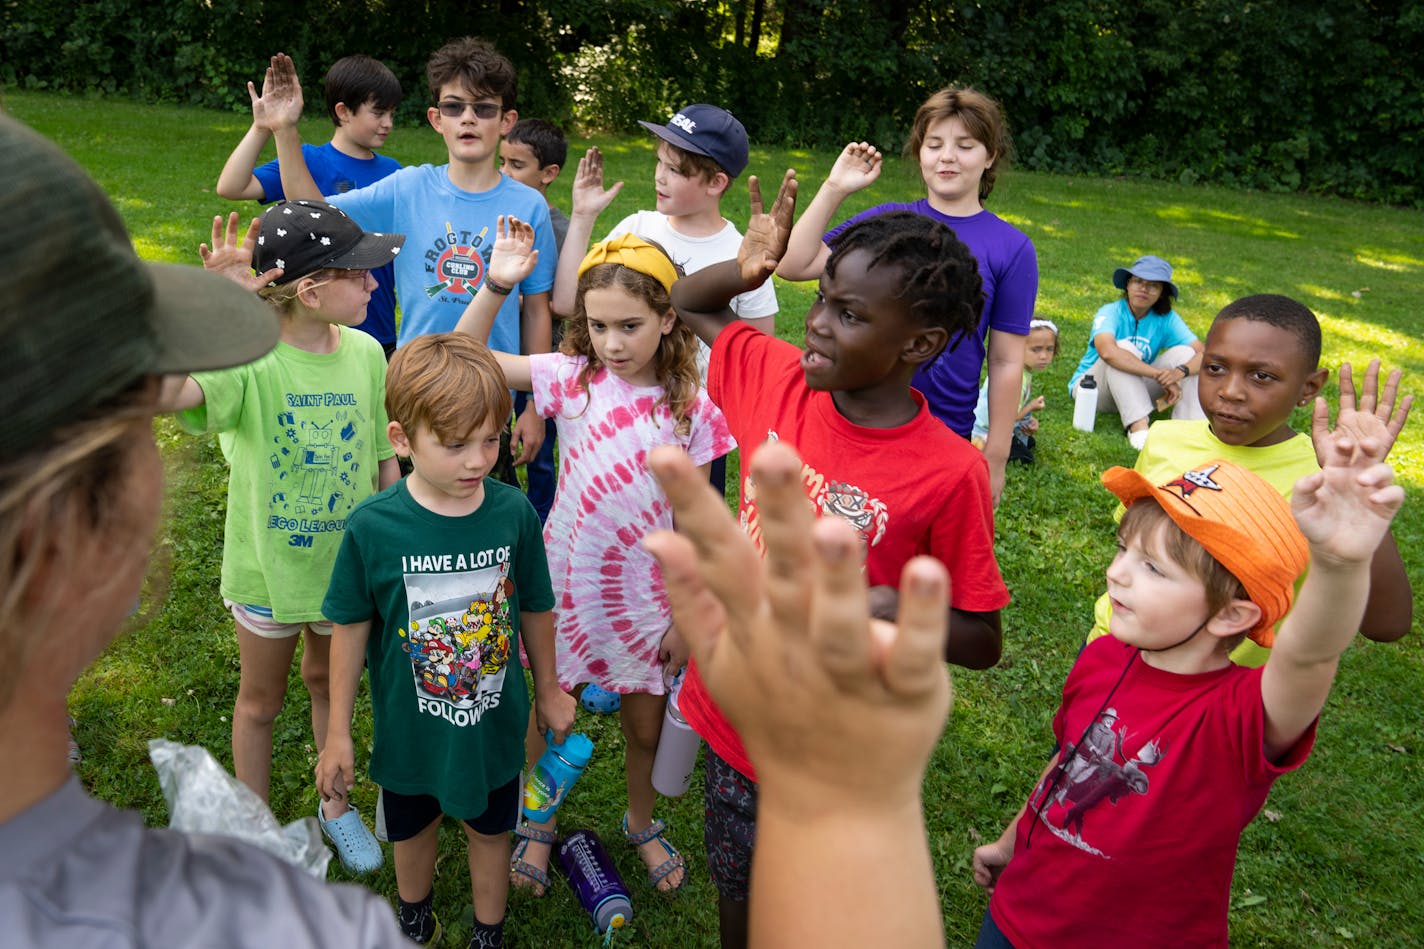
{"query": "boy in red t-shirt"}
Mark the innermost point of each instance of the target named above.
(896, 291)
(1168, 749)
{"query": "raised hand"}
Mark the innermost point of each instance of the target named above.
(589, 196)
(767, 234)
(856, 168)
(1345, 508)
(231, 256)
(280, 104)
(829, 703)
(1378, 416)
(513, 256)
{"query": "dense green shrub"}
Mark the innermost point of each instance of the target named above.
(1323, 97)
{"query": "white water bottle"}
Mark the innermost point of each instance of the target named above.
(1085, 404)
(676, 758)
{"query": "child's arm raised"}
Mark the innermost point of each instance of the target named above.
(856, 168)
(230, 257)
(1344, 510)
(703, 300)
(278, 109)
(841, 745)
(590, 199)
(236, 182)
(512, 258)
(1378, 415)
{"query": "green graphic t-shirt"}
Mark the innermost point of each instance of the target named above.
(444, 595)
(303, 434)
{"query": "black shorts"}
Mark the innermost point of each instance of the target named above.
(729, 826)
(406, 815)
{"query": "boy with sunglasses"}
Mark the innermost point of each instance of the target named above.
(447, 212)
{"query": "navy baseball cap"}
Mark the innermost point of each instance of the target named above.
(707, 130)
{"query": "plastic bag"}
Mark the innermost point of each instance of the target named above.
(204, 799)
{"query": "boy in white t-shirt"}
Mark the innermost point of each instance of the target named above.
(702, 151)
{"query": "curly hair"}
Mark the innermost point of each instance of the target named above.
(676, 359)
(475, 64)
(941, 284)
(983, 119)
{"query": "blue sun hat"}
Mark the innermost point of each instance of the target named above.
(1147, 267)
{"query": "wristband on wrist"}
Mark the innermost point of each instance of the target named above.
(1186, 370)
(498, 288)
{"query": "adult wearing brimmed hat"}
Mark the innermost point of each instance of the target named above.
(1140, 351)
(86, 330)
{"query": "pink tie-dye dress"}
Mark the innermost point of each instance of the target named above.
(610, 607)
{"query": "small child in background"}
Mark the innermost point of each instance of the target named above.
(533, 153)
(623, 383)
(361, 98)
(1039, 350)
(439, 580)
(303, 430)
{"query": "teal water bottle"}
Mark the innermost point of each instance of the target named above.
(554, 774)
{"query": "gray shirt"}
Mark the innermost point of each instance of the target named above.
(76, 872)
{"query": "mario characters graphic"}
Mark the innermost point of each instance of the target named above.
(459, 643)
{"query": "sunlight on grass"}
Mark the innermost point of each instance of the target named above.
(1237, 224)
(1372, 340)
(1384, 260)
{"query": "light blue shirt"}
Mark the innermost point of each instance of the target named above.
(449, 234)
(1147, 337)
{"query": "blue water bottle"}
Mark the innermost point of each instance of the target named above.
(596, 883)
(554, 774)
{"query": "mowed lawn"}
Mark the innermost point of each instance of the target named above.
(1333, 860)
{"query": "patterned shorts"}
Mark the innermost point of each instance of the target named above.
(258, 621)
(729, 828)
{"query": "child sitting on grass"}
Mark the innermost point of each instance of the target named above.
(897, 289)
(439, 579)
(1167, 746)
(303, 430)
(1039, 350)
(1261, 361)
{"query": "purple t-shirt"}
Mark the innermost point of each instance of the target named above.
(1008, 267)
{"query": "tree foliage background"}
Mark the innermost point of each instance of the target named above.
(1325, 96)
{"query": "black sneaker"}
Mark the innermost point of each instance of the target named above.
(419, 923)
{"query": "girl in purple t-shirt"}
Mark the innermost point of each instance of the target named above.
(961, 141)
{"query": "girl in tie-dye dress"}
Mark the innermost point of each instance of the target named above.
(624, 382)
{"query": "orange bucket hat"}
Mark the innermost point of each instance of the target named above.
(1244, 523)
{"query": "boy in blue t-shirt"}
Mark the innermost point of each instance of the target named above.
(447, 212)
(361, 97)
(439, 579)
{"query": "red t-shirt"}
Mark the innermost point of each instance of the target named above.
(1135, 843)
(914, 489)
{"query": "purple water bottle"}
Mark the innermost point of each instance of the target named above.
(596, 883)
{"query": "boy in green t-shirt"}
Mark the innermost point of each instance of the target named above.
(437, 579)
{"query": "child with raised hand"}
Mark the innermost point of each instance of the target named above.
(1168, 749)
(623, 383)
(961, 141)
(896, 290)
(361, 98)
(1039, 350)
(1261, 361)
(851, 732)
(440, 580)
(303, 430)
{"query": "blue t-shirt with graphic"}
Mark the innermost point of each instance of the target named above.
(1146, 337)
(449, 234)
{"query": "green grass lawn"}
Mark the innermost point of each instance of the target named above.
(1336, 857)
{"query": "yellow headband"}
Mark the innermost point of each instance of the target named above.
(634, 253)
